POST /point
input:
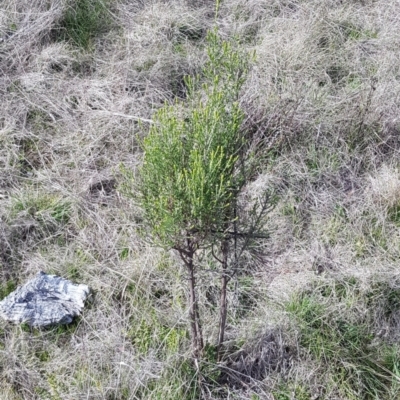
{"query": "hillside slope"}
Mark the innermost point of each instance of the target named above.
(315, 311)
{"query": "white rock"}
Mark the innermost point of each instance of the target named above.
(45, 300)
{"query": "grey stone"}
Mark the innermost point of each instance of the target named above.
(44, 300)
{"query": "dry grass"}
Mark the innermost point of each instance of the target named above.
(321, 102)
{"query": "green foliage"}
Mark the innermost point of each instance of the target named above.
(83, 21)
(188, 179)
(385, 298)
(354, 81)
(42, 207)
(194, 166)
(25, 327)
(394, 214)
(43, 355)
(209, 368)
(42, 393)
(321, 159)
(65, 331)
(286, 392)
(336, 333)
(6, 288)
(124, 253)
(56, 386)
(39, 120)
(150, 334)
(73, 271)
(352, 31)
(13, 27)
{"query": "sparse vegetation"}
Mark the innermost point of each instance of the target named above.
(314, 306)
(41, 206)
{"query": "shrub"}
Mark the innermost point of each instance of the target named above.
(192, 170)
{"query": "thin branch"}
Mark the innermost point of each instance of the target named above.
(214, 255)
(183, 254)
(242, 234)
(265, 207)
(134, 117)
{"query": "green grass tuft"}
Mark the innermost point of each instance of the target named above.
(42, 207)
(337, 328)
(85, 20)
(151, 334)
(6, 288)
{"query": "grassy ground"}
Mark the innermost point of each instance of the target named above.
(316, 314)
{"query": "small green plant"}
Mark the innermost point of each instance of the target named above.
(394, 214)
(289, 391)
(43, 355)
(42, 393)
(39, 120)
(354, 82)
(6, 288)
(386, 296)
(151, 334)
(321, 159)
(42, 207)
(193, 170)
(83, 21)
(13, 27)
(73, 271)
(124, 253)
(55, 386)
(351, 31)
